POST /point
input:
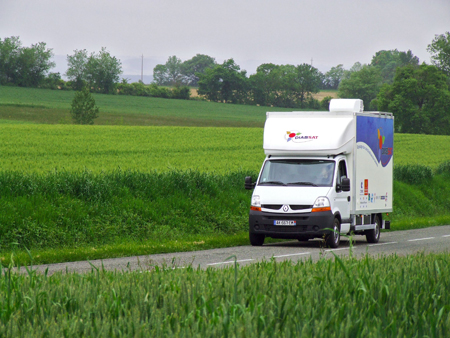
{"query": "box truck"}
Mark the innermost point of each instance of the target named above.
(325, 174)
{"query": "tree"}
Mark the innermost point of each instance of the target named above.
(24, 66)
(308, 80)
(77, 68)
(103, 71)
(84, 110)
(285, 85)
(265, 84)
(357, 66)
(100, 71)
(420, 100)
(334, 76)
(387, 61)
(169, 74)
(440, 52)
(363, 84)
(160, 75)
(198, 64)
(9, 53)
(224, 83)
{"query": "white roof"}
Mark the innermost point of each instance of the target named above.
(308, 133)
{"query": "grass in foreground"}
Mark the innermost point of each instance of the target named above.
(384, 297)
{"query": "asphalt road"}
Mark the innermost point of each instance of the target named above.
(433, 239)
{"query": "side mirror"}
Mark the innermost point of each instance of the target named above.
(345, 184)
(248, 183)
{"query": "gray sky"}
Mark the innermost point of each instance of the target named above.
(251, 32)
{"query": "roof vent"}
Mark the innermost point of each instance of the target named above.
(347, 105)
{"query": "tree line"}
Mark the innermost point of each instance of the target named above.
(394, 81)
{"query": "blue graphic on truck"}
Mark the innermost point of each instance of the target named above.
(378, 135)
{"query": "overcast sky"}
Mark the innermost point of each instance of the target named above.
(252, 32)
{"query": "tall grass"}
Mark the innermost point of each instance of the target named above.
(413, 173)
(64, 209)
(384, 297)
(61, 209)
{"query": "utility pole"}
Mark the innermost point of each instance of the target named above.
(142, 69)
(311, 62)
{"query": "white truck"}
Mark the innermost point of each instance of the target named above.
(325, 174)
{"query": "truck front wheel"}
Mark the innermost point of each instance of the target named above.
(256, 239)
(334, 237)
(373, 236)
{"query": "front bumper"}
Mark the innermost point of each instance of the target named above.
(308, 225)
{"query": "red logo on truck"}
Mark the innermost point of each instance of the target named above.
(297, 137)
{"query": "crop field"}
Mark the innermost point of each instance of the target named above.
(72, 192)
(384, 297)
(149, 189)
(63, 185)
(53, 107)
(43, 148)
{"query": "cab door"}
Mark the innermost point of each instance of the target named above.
(342, 198)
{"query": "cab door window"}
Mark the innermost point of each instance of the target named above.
(342, 173)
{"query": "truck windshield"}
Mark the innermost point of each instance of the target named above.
(293, 172)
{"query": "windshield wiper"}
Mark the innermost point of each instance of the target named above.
(302, 183)
(272, 182)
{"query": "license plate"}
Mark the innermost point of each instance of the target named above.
(291, 223)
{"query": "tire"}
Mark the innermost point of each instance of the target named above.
(333, 239)
(373, 236)
(256, 239)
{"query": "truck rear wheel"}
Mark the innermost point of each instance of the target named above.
(256, 239)
(373, 236)
(334, 237)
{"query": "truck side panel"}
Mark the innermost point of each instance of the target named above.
(374, 164)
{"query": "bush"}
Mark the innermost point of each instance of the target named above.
(156, 91)
(412, 174)
(84, 110)
(443, 168)
(325, 103)
(181, 92)
(312, 103)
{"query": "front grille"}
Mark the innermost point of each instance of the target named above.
(292, 206)
(272, 206)
(300, 207)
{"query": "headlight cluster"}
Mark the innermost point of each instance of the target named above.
(321, 204)
(256, 203)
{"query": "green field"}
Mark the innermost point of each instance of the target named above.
(42, 148)
(70, 192)
(368, 297)
(87, 192)
(53, 107)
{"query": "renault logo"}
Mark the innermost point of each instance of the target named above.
(285, 208)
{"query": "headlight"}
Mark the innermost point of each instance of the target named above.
(256, 201)
(321, 204)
